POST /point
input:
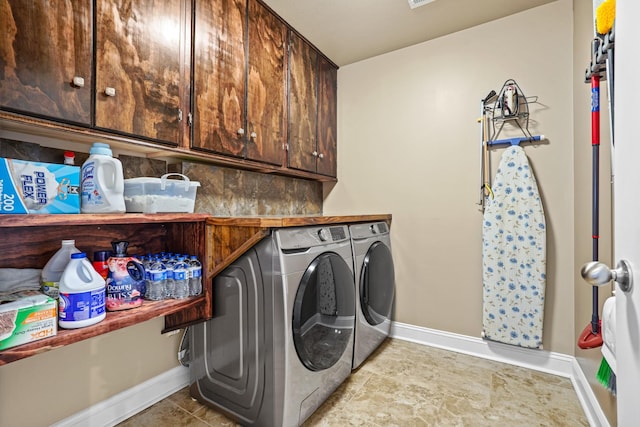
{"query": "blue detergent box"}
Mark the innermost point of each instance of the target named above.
(38, 188)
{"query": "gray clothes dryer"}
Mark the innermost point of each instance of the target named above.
(281, 337)
(375, 287)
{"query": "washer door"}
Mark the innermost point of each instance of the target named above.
(377, 284)
(324, 312)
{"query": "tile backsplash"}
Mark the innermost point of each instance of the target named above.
(223, 191)
(232, 192)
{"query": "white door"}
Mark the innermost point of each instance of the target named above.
(627, 206)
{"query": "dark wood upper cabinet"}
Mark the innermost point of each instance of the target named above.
(303, 104)
(228, 79)
(239, 80)
(219, 76)
(141, 82)
(266, 97)
(312, 109)
(45, 58)
(327, 118)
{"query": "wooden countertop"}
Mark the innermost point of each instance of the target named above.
(294, 221)
(229, 237)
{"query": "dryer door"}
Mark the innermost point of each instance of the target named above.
(324, 312)
(377, 284)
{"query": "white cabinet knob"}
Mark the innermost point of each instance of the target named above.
(314, 154)
(78, 81)
(253, 135)
(110, 91)
(240, 131)
(321, 155)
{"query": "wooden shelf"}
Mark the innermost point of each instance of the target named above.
(29, 241)
(96, 219)
(114, 321)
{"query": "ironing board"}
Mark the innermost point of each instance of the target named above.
(514, 255)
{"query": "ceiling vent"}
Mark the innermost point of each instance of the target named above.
(418, 3)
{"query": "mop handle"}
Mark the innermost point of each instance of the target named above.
(595, 143)
(595, 217)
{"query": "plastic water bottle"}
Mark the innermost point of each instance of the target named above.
(82, 294)
(54, 268)
(102, 182)
(195, 276)
(170, 285)
(156, 279)
(181, 278)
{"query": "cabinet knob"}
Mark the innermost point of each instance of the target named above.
(241, 131)
(78, 81)
(314, 154)
(253, 135)
(321, 155)
(110, 91)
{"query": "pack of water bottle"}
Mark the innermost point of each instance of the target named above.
(170, 275)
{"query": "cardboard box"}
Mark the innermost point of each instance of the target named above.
(30, 316)
(38, 188)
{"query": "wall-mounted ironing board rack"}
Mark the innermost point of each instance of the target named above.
(515, 141)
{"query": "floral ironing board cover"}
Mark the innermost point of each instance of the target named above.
(514, 255)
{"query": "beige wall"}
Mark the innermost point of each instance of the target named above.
(409, 145)
(43, 389)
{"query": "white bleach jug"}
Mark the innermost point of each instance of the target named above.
(102, 182)
(53, 269)
(82, 294)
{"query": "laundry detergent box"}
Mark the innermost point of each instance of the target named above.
(25, 317)
(38, 188)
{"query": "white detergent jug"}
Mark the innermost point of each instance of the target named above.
(82, 294)
(102, 182)
(53, 269)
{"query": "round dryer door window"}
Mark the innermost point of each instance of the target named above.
(324, 312)
(377, 284)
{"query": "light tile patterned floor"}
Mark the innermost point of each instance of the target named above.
(407, 384)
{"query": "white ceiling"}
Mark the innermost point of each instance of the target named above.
(348, 31)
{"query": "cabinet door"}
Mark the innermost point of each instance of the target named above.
(219, 76)
(266, 86)
(140, 80)
(45, 58)
(303, 63)
(327, 118)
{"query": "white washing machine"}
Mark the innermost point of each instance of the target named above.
(281, 337)
(375, 287)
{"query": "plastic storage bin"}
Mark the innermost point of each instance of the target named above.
(153, 195)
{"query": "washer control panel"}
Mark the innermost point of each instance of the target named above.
(305, 237)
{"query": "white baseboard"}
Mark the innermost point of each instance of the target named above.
(123, 405)
(539, 360)
(128, 403)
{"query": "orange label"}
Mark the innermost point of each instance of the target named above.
(41, 315)
(42, 334)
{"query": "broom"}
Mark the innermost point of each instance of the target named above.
(606, 374)
(606, 377)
